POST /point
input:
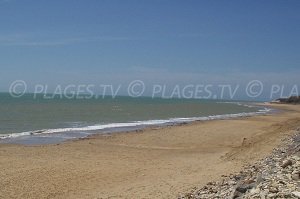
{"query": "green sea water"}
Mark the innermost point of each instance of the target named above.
(37, 114)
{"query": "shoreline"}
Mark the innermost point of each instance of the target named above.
(40, 137)
(152, 163)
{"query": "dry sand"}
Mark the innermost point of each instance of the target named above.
(154, 163)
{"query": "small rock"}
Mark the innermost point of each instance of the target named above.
(297, 158)
(282, 182)
(231, 182)
(243, 188)
(211, 183)
(286, 163)
(296, 194)
(236, 194)
(237, 177)
(273, 190)
(290, 186)
(254, 191)
(296, 176)
(259, 179)
(262, 195)
(272, 195)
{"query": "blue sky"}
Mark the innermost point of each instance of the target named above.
(96, 41)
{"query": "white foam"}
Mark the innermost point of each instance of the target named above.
(134, 124)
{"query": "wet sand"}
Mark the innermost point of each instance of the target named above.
(153, 163)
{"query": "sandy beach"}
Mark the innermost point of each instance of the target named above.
(153, 163)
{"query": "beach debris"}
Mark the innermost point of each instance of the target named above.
(276, 176)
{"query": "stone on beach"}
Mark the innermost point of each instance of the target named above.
(276, 176)
(286, 163)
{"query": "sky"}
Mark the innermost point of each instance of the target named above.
(157, 41)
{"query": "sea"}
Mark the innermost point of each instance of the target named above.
(34, 119)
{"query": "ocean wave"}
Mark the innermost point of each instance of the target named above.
(133, 124)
